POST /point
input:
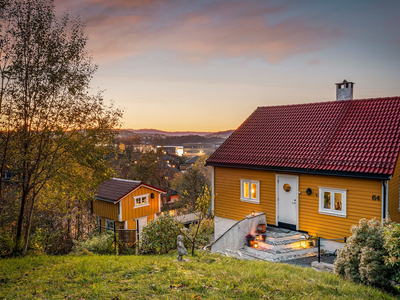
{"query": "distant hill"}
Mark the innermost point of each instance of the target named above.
(222, 134)
(173, 138)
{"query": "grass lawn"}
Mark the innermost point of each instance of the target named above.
(205, 276)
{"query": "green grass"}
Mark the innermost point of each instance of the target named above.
(206, 276)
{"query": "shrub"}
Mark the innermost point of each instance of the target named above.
(159, 236)
(205, 232)
(362, 257)
(100, 244)
(6, 243)
(392, 245)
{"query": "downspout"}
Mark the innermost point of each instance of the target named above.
(385, 213)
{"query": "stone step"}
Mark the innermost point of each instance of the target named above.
(279, 255)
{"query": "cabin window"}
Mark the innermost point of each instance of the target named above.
(250, 190)
(142, 200)
(332, 201)
(110, 224)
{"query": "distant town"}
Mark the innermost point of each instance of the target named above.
(182, 143)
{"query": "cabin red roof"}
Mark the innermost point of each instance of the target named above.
(115, 189)
(352, 136)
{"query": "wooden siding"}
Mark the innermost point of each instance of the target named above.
(128, 204)
(393, 196)
(131, 224)
(359, 204)
(105, 209)
(118, 225)
(227, 202)
(359, 199)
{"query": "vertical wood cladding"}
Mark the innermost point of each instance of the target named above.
(393, 196)
(128, 204)
(129, 213)
(359, 199)
(105, 209)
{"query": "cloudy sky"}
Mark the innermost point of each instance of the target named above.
(205, 65)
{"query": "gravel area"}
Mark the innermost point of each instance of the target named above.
(306, 262)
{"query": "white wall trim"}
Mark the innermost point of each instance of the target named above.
(120, 211)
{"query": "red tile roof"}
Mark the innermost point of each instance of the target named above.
(352, 136)
(115, 189)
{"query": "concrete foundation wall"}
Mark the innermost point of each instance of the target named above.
(235, 236)
(331, 245)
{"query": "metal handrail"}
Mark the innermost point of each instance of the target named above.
(319, 245)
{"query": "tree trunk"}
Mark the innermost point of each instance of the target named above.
(28, 228)
(24, 198)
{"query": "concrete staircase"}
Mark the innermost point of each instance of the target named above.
(280, 245)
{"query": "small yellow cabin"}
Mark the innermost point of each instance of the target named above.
(128, 204)
(317, 167)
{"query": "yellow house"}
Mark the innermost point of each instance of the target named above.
(317, 167)
(131, 204)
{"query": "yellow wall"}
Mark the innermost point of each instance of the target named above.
(105, 209)
(359, 199)
(227, 202)
(129, 213)
(128, 204)
(393, 197)
(359, 204)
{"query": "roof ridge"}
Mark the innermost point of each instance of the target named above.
(127, 180)
(329, 101)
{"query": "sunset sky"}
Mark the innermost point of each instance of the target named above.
(206, 65)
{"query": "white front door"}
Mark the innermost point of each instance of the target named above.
(287, 201)
(142, 222)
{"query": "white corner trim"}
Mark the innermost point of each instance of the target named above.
(120, 211)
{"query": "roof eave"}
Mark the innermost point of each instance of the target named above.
(104, 199)
(305, 171)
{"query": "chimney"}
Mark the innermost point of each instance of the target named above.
(344, 90)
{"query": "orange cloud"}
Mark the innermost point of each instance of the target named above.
(198, 31)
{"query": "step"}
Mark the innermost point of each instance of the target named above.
(279, 255)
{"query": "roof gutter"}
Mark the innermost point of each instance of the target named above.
(104, 199)
(305, 171)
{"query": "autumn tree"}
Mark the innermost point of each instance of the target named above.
(49, 121)
(191, 184)
(203, 211)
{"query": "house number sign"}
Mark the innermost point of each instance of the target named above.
(376, 198)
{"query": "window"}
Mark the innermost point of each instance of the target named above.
(142, 200)
(109, 224)
(250, 190)
(332, 201)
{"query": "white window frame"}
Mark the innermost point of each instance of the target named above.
(141, 196)
(110, 221)
(332, 211)
(249, 199)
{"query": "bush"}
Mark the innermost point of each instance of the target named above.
(205, 233)
(159, 236)
(362, 257)
(6, 243)
(392, 245)
(100, 244)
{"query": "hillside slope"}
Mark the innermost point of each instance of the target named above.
(205, 276)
